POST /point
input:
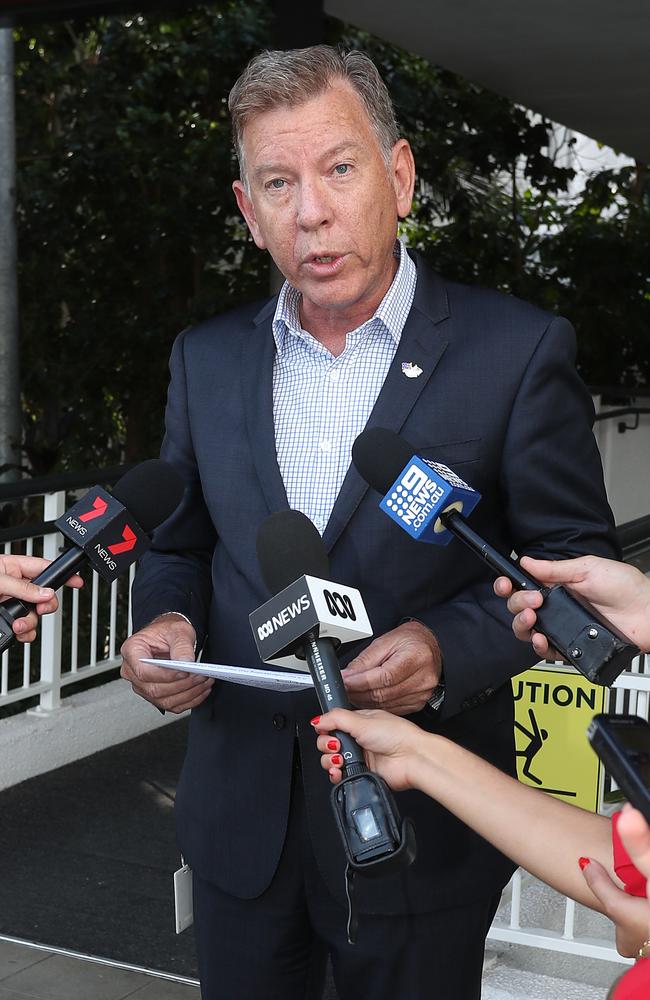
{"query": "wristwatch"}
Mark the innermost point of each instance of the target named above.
(437, 697)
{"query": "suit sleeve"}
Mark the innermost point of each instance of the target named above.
(175, 574)
(552, 498)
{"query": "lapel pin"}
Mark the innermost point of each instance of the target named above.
(411, 370)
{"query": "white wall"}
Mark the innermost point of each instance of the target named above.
(626, 463)
(33, 743)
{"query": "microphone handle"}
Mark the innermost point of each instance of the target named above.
(325, 670)
(501, 564)
(54, 576)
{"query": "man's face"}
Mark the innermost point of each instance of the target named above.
(323, 202)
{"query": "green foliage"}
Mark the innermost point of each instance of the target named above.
(128, 229)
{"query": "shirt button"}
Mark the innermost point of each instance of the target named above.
(279, 721)
(334, 374)
(325, 445)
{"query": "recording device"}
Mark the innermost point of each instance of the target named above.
(108, 530)
(430, 502)
(295, 567)
(623, 744)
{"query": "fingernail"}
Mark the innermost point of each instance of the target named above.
(314, 721)
(19, 626)
(337, 759)
(583, 862)
(332, 744)
(45, 592)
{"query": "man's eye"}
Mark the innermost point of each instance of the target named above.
(342, 168)
(277, 184)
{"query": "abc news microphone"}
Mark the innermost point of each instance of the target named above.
(302, 627)
(429, 501)
(108, 530)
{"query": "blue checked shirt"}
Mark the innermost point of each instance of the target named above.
(321, 403)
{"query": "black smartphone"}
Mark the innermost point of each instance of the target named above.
(623, 744)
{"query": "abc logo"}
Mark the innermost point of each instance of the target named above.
(339, 605)
(265, 630)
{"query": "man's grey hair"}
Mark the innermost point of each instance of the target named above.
(287, 78)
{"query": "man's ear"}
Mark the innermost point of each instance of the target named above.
(248, 211)
(403, 176)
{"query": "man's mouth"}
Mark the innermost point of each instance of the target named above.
(323, 258)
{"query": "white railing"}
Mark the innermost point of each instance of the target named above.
(630, 693)
(82, 641)
(79, 642)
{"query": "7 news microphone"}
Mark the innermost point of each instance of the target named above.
(429, 501)
(108, 530)
(302, 627)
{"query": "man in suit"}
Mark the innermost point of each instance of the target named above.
(263, 408)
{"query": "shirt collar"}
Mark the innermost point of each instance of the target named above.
(392, 311)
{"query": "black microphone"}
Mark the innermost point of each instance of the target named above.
(291, 555)
(295, 567)
(426, 499)
(108, 530)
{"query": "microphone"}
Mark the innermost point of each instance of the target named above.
(307, 619)
(429, 501)
(108, 530)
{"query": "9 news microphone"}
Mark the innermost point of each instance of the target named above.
(308, 618)
(108, 530)
(429, 502)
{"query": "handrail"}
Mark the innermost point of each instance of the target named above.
(23, 488)
(620, 391)
(624, 411)
(634, 535)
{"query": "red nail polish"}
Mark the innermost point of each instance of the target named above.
(314, 721)
(583, 862)
(337, 759)
(332, 744)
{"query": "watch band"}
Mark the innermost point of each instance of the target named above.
(437, 697)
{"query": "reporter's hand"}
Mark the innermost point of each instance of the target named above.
(620, 593)
(391, 745)
(397, 671)
(629, 914)
(167, 637)
(522, 605)
(16, 573)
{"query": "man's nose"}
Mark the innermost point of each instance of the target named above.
(314, 205)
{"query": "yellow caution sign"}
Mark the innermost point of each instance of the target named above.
(553, 707)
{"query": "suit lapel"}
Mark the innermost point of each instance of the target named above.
(258, 354)
(421, 344)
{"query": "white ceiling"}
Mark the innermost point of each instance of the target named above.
(583, 63)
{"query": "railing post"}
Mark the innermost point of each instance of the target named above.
(51, 625)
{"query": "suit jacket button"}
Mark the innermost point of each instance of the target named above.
(279, 721)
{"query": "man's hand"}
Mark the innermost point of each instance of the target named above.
(16, 573)
(396, 672)
(168, 637)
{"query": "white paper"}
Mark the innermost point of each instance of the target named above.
(272, 680)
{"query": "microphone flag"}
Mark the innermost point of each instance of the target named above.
(105, 531)
(421, 493)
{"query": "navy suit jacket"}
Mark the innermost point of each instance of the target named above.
(500, 402)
